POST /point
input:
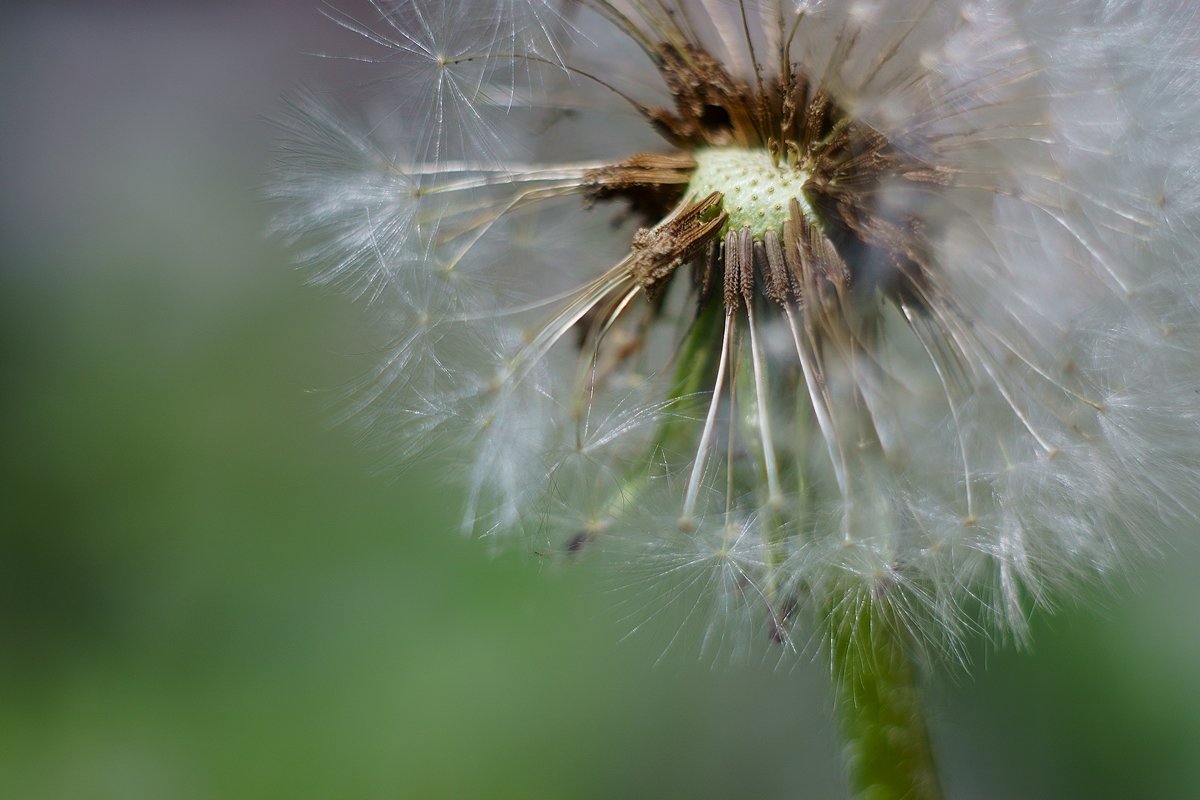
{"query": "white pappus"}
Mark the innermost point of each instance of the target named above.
(787, 305)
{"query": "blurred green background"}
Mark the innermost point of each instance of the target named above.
(207, 591)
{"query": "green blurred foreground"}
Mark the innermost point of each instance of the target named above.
(205, 592)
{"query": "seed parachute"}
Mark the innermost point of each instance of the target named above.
(783, 308)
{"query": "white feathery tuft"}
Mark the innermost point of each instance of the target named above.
(978, 389)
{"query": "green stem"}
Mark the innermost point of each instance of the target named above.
(886, 743)
(694, 371)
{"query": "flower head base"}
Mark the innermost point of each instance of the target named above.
(907, 312)
(755, 190)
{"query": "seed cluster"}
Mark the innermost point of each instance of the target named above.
(908, 320)
(788, 167)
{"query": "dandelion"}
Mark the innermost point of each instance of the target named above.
(833, 321)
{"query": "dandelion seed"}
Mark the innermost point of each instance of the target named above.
(897, 314)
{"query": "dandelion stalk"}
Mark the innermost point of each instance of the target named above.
(886, 744)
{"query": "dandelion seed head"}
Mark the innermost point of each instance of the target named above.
(783, 306)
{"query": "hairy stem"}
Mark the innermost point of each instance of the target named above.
(886, 743)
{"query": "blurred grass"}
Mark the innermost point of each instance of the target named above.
(206, 593)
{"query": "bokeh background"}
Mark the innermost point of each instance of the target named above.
(207, 590)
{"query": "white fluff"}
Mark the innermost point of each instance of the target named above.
(1035, 427)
